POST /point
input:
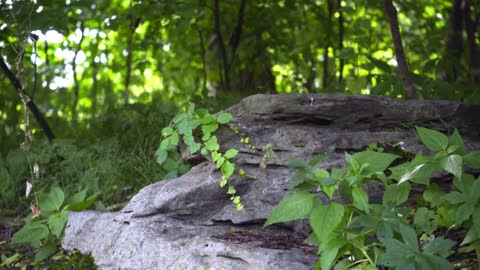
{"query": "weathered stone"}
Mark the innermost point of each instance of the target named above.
(183, 223)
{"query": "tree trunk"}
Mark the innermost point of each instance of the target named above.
(221, 47)
(405, 76)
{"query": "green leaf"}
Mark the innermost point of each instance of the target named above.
(360, 199)
(352, 163)
(396, 254)
(224, 118)
(320, 174)
(212, 144)
(330, 253)
(324, 219)
(453, 164)
(453, 197)
(377, 162)
(44, 253)
(438, 245)
(227, 169)
(296, 163)
(231, 153)
(207, 119)
(294, 206)
(174, 138)
(167, 131)
(433, 139)
(57, 221)
(456, 144)
(219, 162)
(31, 232)
(317, 159)
(161, 156)
(409, 236)
(78, 197)
(52, 201)
(424, 220)
(210, 128)
(215, 155)
(85, 204)
(395, 195)
(194, 147)
(472, 159)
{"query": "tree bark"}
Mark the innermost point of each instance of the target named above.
(237, 32)
(453, 43)
(221, 47)
(473, 49)
(31, 105)
(340, 39)
(410, 91)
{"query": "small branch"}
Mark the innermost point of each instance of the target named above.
(31, 105)
(410, 91)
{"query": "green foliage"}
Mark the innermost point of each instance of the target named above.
(351, 231)
(45, 227)
(193, 131)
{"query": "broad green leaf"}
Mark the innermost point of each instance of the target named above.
(44, 253)
(167, 131)
(219, 162)
(227, 169)
(423, 220)
(324, 219)
(215, 155)
(212, 144)
(207, 119)
(432, 139)
(329, 254)
(84, 204)
(472, 159)
(377, 162)
(454, 197)
(78, 197)
(174, 138)
(161, 156)
(231, 153)
(51, 201)
(296, 163)
(433, 195)
(464, 212)
(438, 263)
(438, 245)
(473, 233)
(395, 195)
(396, 253)
(194, 147)
(360, 199)
(294, 206)
(186, 126)
(57, 221)
(409, 236)
(410, 174)
(317, 159)
(352, 163)
(457, 144)
(224, 118)
(210, 128)
(453, 164)
(31, 232)
(320, 174)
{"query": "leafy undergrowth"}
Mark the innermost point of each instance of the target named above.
(416, 225)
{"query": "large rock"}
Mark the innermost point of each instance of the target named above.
(190, 222)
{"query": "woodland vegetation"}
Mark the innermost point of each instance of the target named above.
(87, 86)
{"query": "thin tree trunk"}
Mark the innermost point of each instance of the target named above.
(221, 46)
(76, 83)
(327, 45)
(31, 105)
(405, 76)
(340, 39)
(453, 43)
(237, 32)
(473, 50)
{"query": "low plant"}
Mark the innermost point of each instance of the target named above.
(406, 230)
(194, 130)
